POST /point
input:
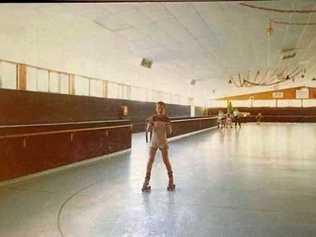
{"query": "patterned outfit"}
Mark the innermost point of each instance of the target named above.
(160, 127)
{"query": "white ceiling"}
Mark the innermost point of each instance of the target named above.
(208, 42)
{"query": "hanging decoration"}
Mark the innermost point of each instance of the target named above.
(280, 74)
(305, 11)
(267, 78)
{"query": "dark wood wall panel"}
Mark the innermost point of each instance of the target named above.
(23, 154)
(41, 131)
(37, 150)
(188, 125)
(199, 111)
(25, 107)
(275, 114)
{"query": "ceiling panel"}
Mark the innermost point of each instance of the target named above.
(201, 39)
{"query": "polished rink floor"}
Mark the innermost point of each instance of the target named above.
(255, 181)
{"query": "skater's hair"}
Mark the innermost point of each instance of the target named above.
(163, 104)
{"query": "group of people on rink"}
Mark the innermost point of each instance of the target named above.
(227, 120)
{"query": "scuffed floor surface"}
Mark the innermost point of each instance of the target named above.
(259, 180)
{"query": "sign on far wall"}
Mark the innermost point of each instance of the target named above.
(302, 93)
(277, 95)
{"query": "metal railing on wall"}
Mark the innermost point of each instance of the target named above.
(20, 76)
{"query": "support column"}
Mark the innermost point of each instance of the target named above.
(21, 70)
(192, 107)
(105, 89)
(71, 87)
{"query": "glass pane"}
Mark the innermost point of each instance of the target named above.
(96, 88)
(81, 86)
(289, 103)
(42, 80)
(31, 79)
(54, 79)
(264, 103)
(8, 75)
(309, 103)
(64, 84)
(113, 90)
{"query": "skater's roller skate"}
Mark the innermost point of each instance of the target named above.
(146, 187)
(171, 186)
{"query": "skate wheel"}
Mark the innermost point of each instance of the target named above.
(171, 188)
(146, 189)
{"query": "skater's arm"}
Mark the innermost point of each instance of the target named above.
(169, 127)
(150, 123)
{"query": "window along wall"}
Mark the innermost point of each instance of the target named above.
(26, 77)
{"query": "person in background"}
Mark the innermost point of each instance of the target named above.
(259, 118)
(160, 127)
(237, 118)
(220, 119)
(229, 121)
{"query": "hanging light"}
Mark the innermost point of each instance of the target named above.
(269, 29)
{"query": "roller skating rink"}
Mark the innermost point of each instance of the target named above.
(257, 180)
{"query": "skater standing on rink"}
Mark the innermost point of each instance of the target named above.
(229, 120)
(259, 118)
(236, 114)
(160, 126)
(220, 119)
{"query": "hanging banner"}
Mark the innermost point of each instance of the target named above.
(277, 95)
(302, 93)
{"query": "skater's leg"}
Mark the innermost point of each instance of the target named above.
(166, 160)
(152, 154)
(171, 185)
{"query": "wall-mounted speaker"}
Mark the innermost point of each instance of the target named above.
(146, 62)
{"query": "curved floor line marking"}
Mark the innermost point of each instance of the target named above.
(64, 204)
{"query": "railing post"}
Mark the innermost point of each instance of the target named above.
(59, 82)
(48, 84)
(21, 76)
(71, 87)
(105, 89)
